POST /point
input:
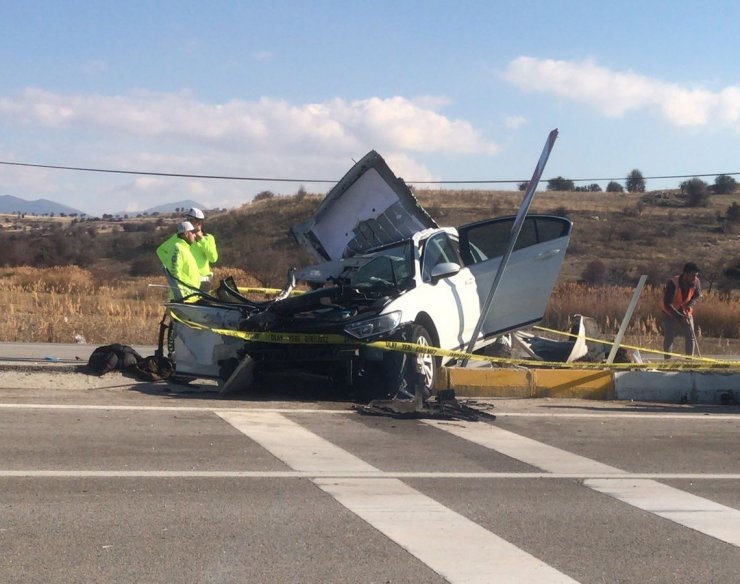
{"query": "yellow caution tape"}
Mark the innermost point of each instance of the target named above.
(641, 349)
(406, 347)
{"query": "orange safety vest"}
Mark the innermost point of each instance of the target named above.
(679, 302)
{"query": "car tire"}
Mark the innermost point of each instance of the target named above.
(423, 363)
(396, 375)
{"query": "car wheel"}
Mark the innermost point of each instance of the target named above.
(421, 368)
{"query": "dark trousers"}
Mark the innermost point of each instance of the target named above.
(673, 326)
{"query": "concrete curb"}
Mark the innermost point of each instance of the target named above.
(597, 384)
(678, 387)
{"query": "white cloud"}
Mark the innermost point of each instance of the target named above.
(614, 93)
(264, 125)
(514, 122)
(176, 133)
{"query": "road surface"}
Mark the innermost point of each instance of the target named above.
(120, 481)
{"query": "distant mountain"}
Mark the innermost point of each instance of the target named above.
(165, 208)
(10, 204)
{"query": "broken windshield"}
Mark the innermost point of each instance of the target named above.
(390, 268)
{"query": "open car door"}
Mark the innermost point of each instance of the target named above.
(522, 295)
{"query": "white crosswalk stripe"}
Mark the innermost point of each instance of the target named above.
(698, 513)
(452, 545)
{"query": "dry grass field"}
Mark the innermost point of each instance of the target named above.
(64, 305)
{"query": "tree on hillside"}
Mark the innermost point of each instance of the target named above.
(263, 196)
(592, 188)
(696, 191)
(560, 184)
(614, 187)
(635, 182)
(724, 185)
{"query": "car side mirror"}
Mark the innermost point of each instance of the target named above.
(444, 270)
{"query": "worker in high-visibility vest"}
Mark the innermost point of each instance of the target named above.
(204, 248)
(680, 294)
(177, 258)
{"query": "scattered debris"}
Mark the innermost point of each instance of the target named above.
(123, 358)
(444, 406)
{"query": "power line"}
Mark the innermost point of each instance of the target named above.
(312, 180)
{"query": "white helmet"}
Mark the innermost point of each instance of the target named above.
(195, 213)
(185, 226)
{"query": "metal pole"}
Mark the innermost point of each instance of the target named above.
(626, 319)
(693, 335)
(515, 229)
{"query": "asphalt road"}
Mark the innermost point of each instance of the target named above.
(139, 482)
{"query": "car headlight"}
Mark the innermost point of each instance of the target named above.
(374, 326)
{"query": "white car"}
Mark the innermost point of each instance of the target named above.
(387, 272)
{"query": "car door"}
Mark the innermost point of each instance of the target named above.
(451, 301)
(525, 287)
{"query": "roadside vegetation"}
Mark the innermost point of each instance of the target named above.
(99, 279)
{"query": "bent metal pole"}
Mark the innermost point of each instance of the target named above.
(626, 319)
(515, 229)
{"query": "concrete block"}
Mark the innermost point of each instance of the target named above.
(479, 382)
(657, 386)
(714, 387)
(574, 383)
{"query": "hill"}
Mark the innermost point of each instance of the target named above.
(164, 208)
(11, 204)
(616, 236)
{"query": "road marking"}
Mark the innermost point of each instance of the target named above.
(697, 513)
(708, 517)
(279, 474)
(15, 406)
(631, 415)
(524, 449)
(450, 544)
(297, 447)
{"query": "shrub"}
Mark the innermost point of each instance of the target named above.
(733, 213)
(595, 273)
(724, 185)
(560, 184)
(264, 196)
(301, 193)
(146, 265)
(614, 187)
(696, 191)
(635, 182)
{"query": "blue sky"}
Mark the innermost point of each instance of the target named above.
(442, 90)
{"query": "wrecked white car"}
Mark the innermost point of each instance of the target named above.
(386, 272)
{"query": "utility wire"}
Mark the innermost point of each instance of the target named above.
(312, 180)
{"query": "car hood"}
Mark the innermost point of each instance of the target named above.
(367, 208)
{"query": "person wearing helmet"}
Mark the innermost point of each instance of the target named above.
(204, 248)
(176, 256)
